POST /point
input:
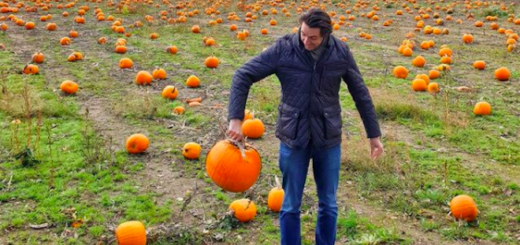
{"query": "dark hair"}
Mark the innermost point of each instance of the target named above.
(317, 18)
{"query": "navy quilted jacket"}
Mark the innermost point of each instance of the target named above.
(309, 108)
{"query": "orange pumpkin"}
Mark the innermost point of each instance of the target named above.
(170, 92)
(159, 73)
(230, 169)
(154, 36)
(433, 88)
(131, 233)
(244, 210)
(143, 78)
(172, 49)
(51, 27)
(65, 41)
(31, 69)
(191, 150)
(211, 62)
(193, 81)
(248, 114)
(102, 40)
(445, 52)
(463, 207)
(479, 65)
(275, 197)
(29, 25)
(253, 128)
(434, 74)
(73, 34)
(126, 63)
(467, 38)
(482, 108)
(120, 49)
(69, 87)
(400, 72)
(263, 31)
(195, 29)
(179, 110)
(137, 143)
(38, 57)
(419, 61)
(419, 85)
(502, 74)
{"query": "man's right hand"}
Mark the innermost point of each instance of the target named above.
(234, 131)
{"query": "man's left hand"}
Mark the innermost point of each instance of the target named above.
(376, 148)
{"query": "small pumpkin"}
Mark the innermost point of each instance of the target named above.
(154, 36)
(102, 40)
(193, 81)
(195, 29)
(178, 110)
(433, 88)
(31, 69)
(419, 61)
(502, 74)
(51, 27)
(69, 87)
(264, 31)
(275, 197)
(400, 72)
(172, 49)
(445, 52)
(131, 233)
(126, 63)
(482, 108)
(467, 38)
(137, 143)
(120, 49)
(143, 78)
(463, 207)
(231, 168)
(73, 34)
(253, 128)
(248, 114)
(419, 85)
(479, 65)
(211, 62)
(159, 73)
(170, 92)
(65, 41)
(244, 210)
(38, 57)
(191, 150)
(29, 25)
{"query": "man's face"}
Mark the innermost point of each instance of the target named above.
(310, 37)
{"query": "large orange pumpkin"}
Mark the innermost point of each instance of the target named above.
(131, 233)
(464, 207)
(211, 62)
(143, 78)
(243, 209)
(231, 170)
(400, 72)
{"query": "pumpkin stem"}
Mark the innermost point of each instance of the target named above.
(277, 181)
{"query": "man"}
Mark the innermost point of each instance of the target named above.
(309, 65)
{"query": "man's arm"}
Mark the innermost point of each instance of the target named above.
(253, 71)
(361, 96)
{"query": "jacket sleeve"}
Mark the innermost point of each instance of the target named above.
(361, 96)
(252, 71)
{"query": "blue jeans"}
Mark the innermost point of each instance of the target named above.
(294, 164)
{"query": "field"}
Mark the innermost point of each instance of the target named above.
(66, 176)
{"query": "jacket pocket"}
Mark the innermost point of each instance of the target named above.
(288, 119)
(332, 121)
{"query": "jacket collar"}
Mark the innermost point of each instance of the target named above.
(305, 54)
